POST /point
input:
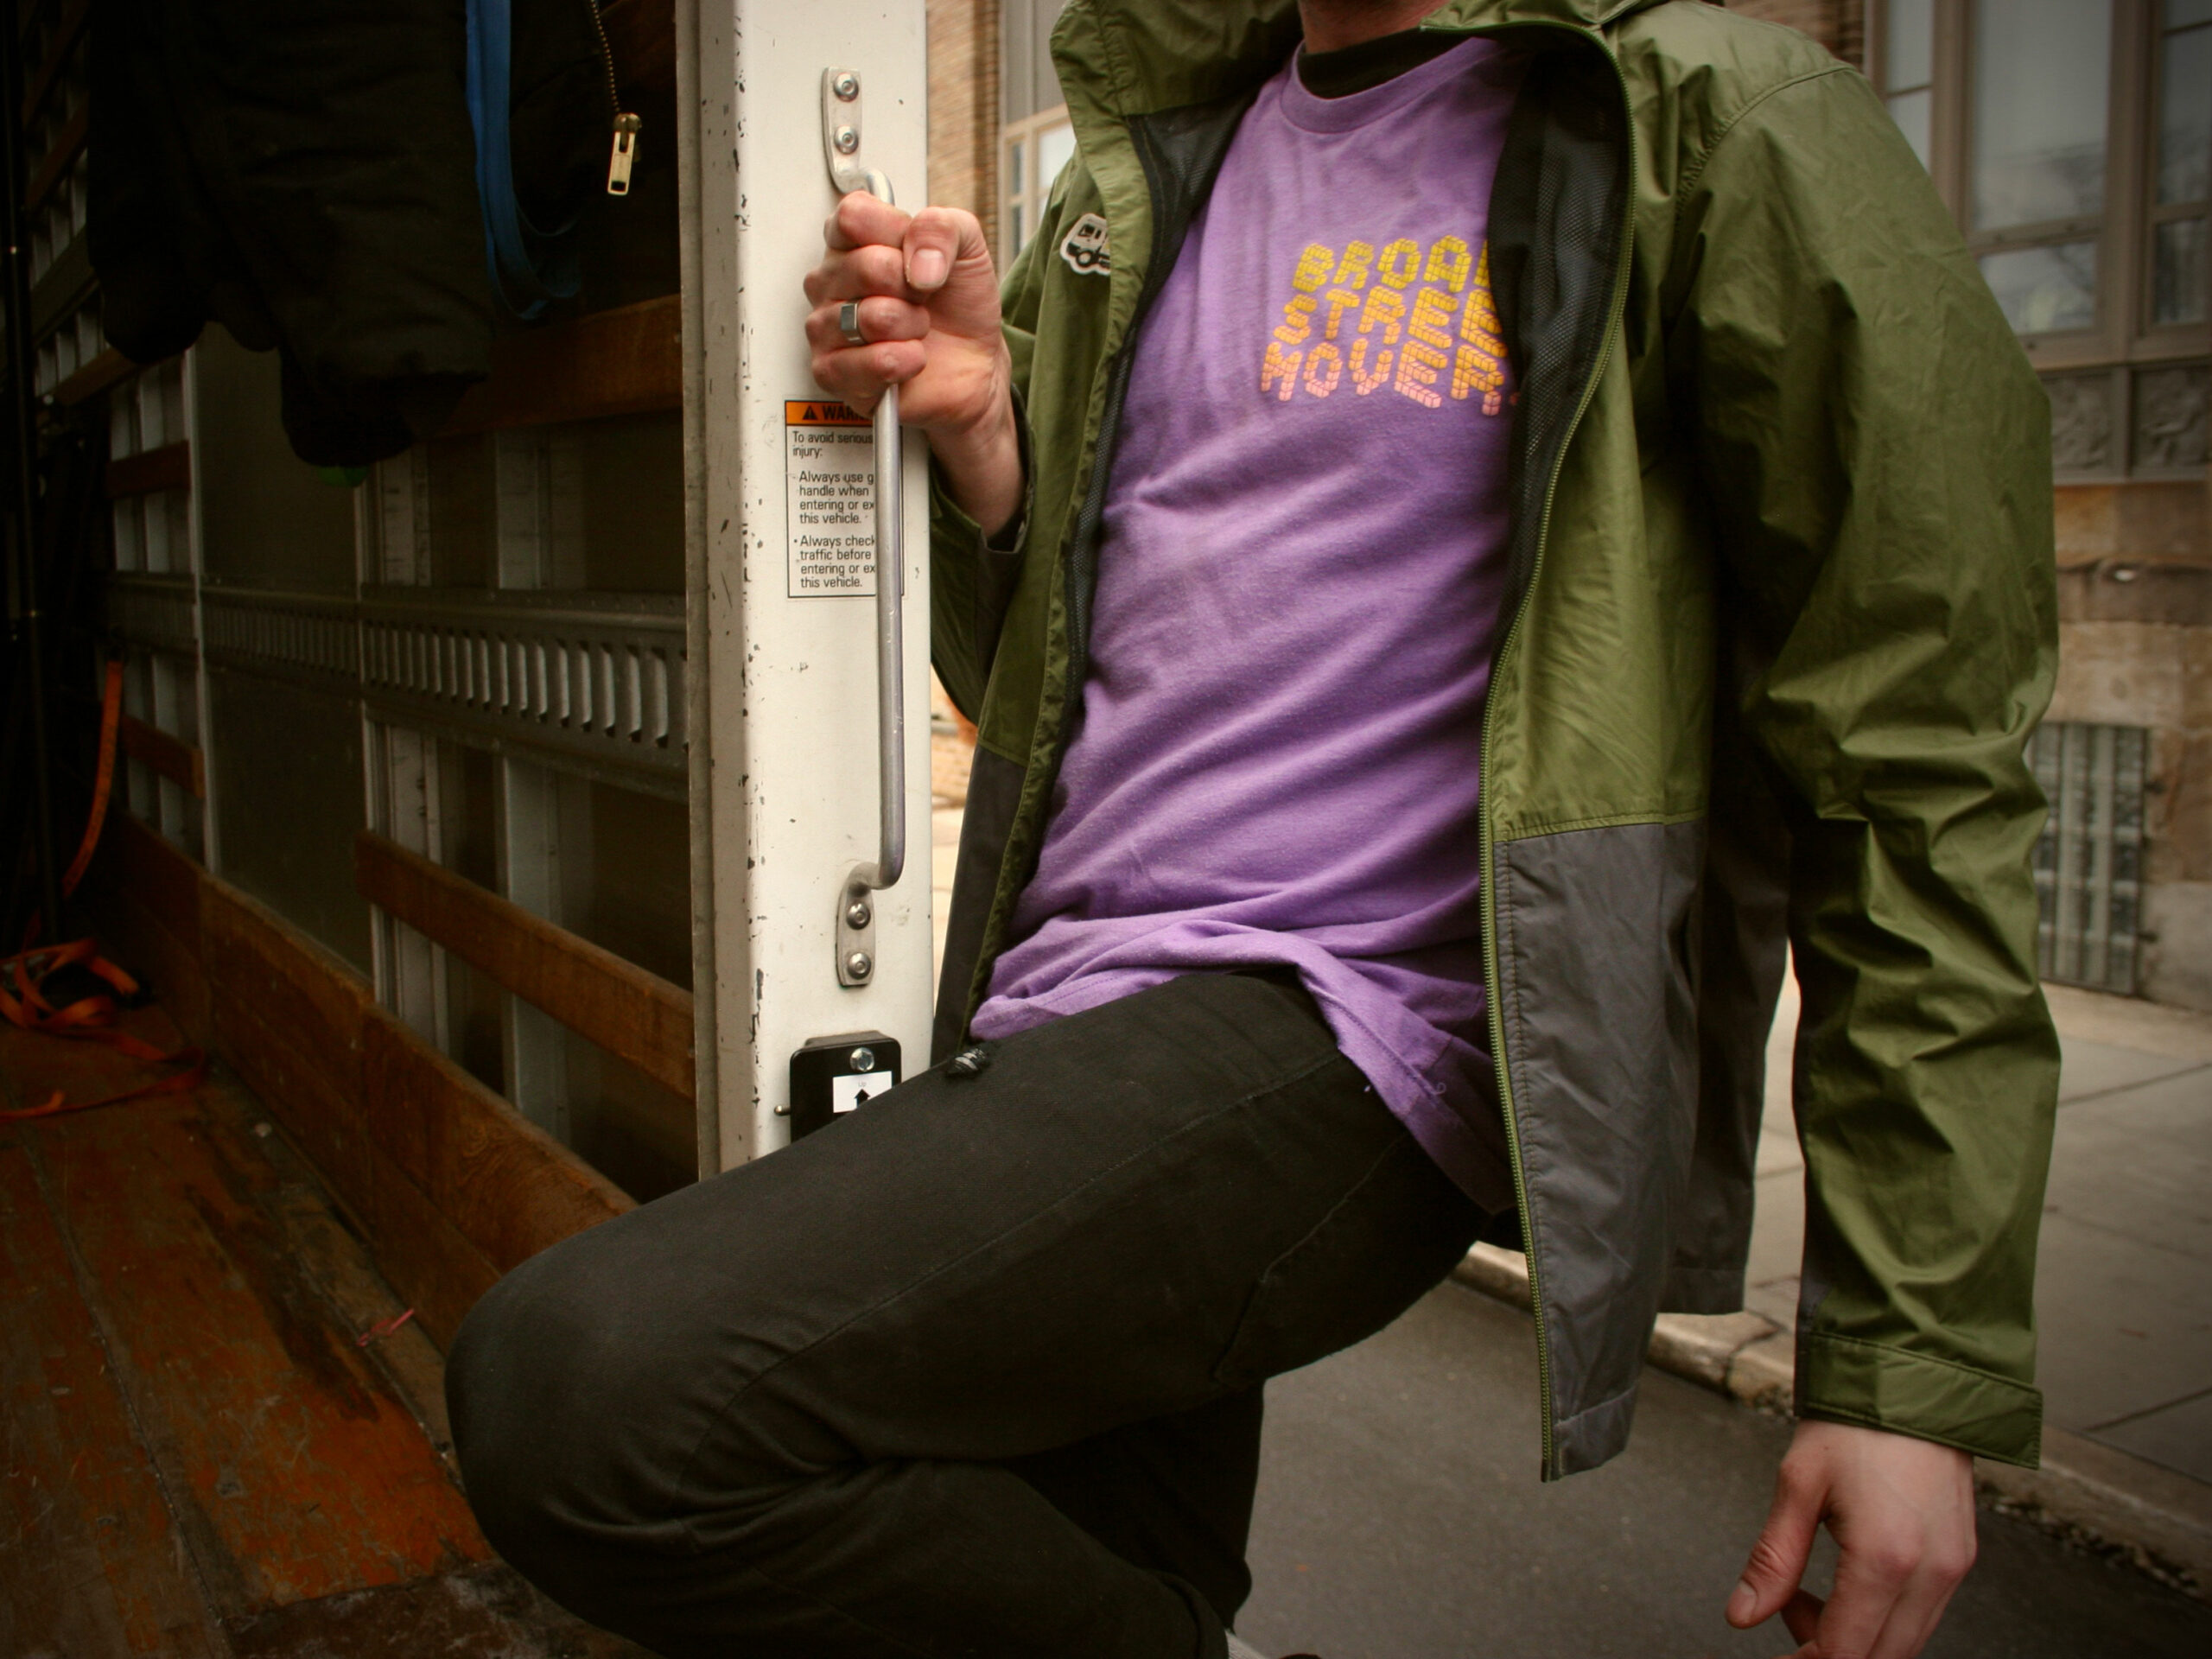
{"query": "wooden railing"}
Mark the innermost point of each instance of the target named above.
(626, 361)
(636, 1016)
(168, 468)
(183, 764)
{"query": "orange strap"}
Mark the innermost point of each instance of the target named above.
(91, 1018)
(103, 787)
(103, 777)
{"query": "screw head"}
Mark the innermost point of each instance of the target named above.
(845, 139)
(861, 1059)
(859, 964)
(847, 85)
(858, 915)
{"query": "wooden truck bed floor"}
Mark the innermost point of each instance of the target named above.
(199, 1459)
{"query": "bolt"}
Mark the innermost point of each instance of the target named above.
(859, 964)
(847, 85)
(861, 1059)
(847, 140)
(858, 915)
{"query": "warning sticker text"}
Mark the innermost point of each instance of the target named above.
(830, 493)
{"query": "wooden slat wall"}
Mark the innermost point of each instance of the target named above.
(168, 468)
(64, 38)
(451, 1185)
(288, 1014)
(58, 160)
(626, 361)
(144, 896)
(636, 1016)
(506, 1186)
(181, 763)
(96, 377)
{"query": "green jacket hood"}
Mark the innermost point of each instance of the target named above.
(1136, 57)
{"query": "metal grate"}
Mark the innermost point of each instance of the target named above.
(590, 676)
(2089, 862)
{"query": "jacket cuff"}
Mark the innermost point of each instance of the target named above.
(950, 521)
(1846, 1380)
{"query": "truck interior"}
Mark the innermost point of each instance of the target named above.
(376, 910)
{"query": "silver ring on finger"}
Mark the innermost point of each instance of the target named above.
(848, 323)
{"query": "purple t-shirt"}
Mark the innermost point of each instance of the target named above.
(1300, 580)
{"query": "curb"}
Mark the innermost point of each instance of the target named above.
(2106, 1500)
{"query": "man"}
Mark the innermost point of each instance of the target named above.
(1459, 537)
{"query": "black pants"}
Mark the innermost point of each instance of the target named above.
(975, 1370)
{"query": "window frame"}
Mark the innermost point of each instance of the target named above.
(1035, 188)
(2122, 342)
(2122, 331)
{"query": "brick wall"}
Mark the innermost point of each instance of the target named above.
(2135, 649)
(964, 107)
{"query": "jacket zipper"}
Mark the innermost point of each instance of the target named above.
(1487, 838)
(624, 154)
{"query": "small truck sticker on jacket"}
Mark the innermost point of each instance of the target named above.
(1084, 248)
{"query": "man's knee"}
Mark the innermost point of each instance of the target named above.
(547, 1398)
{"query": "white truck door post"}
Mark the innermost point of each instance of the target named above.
(803, 801)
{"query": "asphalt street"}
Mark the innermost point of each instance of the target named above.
(1400, 1517)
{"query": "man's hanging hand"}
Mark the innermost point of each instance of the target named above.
(1902, 1512)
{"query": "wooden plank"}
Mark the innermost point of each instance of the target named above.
(288, 1016)
(254, 957)
(506, 1186)
(334, 1254)
(57, 57)
(62, 289)
(96, 377)
(626, 361)
(316, 1099)
(168, 468)
(57, 161)
(295, 1470)
(94, 1564)
(145, 864)
(476, 1610)
(635, 1016)
(641, 35)
(131, 936)
(33, 1065)
(436, 1271)
(183, 764)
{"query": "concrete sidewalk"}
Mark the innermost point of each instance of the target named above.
(2124, 1283)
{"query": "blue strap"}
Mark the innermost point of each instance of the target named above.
(528, 266)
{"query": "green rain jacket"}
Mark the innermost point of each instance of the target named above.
(1780, 621)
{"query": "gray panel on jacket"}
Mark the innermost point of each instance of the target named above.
(1597, 1001)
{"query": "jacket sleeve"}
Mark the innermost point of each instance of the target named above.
(971, 575)
(1877, 455)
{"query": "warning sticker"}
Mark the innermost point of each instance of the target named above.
(830, 493)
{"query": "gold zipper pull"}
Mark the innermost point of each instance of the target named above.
(624, 157)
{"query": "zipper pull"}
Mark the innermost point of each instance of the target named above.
(625, 155)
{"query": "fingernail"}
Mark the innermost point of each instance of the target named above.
(1740, 1603)
(928, 269)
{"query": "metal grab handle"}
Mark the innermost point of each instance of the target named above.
(890, 658)
(841, 146)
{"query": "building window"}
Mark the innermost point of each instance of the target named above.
(2089, 864)
(2182, 165)
(1032, 154)
(1035, 140)
(2073, 141)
